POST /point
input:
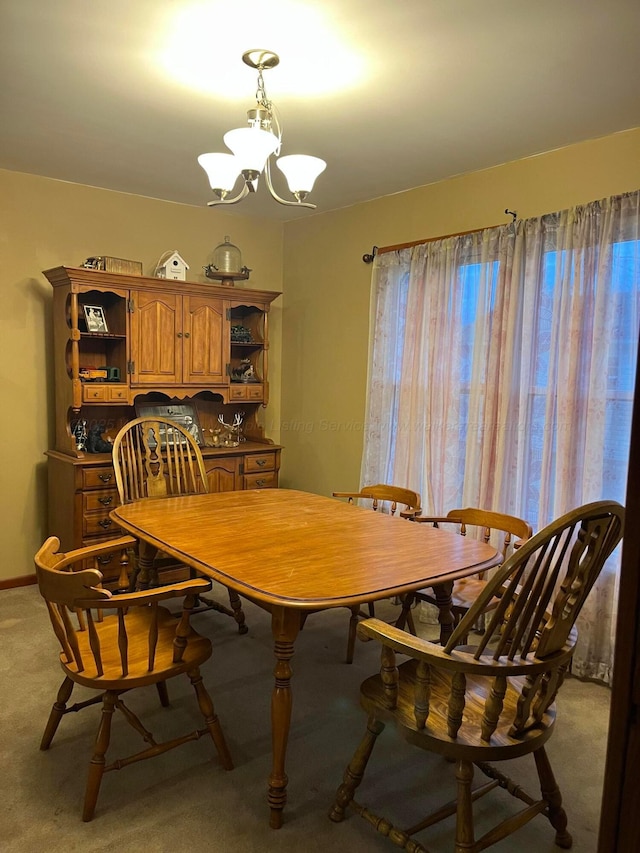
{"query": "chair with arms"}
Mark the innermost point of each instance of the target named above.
(508, 532)
(390, 500)
(115, 643)
(154, 457)
(495, 700)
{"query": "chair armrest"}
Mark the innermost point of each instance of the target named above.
(438, 519)
(410, 513)
(458, 660)
(91, 551)
(194, 586)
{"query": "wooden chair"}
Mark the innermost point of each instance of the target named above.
(137, 644)
(154, 457)
(390, 500)
(496, 700)
(507, 532)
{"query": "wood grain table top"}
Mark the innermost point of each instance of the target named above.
(301, 550)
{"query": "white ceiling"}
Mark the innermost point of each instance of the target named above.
(393, 94)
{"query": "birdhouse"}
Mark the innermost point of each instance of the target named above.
(174, 267)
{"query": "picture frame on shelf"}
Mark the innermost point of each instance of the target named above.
(183, 414)
(95, 319)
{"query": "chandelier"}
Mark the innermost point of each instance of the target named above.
(253, 147)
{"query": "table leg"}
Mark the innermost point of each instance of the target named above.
(442, 593)
(144, 577)
(285, 625)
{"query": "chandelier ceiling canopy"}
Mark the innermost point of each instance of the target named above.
(252, 148)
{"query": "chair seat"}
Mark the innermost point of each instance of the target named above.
(468, 742)
(466, 591)
(138, 621)
(463, 597)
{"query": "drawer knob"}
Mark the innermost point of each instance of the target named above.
(105, 477)
(261, 462)
(260, 482)
(105, 501)
(105, 559)
(106, 522)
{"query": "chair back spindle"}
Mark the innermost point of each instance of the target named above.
(542, 587)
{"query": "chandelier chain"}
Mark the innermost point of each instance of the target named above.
(261, 94)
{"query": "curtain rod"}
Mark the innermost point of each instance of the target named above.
(368, 258)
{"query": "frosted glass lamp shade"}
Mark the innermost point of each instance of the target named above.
(301, 171)
(222, 170)
(251, 147)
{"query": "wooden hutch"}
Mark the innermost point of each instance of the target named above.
(165, 342)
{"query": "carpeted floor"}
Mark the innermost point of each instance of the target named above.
(184, 801)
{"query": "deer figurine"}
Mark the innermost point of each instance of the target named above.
(234, 429)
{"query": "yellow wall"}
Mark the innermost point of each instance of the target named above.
(43, 224)
(326, 314)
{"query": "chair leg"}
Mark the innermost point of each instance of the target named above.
(57, 713)
(213, 724)
(96, 766)
(405, 613)
(551, 794)
(354, 773)
(163, 693)
(238, 612)
(351, 640)
(464, 812)
(411, 624)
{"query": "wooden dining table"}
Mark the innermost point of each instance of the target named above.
(293, 552)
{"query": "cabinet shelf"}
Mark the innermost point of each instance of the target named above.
(107, 336)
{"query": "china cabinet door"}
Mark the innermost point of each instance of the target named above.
(156, 338)
(205, 340)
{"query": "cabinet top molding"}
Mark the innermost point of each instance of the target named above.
(70, 276)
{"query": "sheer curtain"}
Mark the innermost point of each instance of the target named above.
(501, 375)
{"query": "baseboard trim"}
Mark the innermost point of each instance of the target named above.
(10, 583)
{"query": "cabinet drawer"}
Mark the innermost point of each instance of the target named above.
(108, 563)
(255, 392)
(268, 480)
(259, 462)
(238, 392)
(94, 393)
(117, 393)
(98, 478)
(100, 500)
(99, 523)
